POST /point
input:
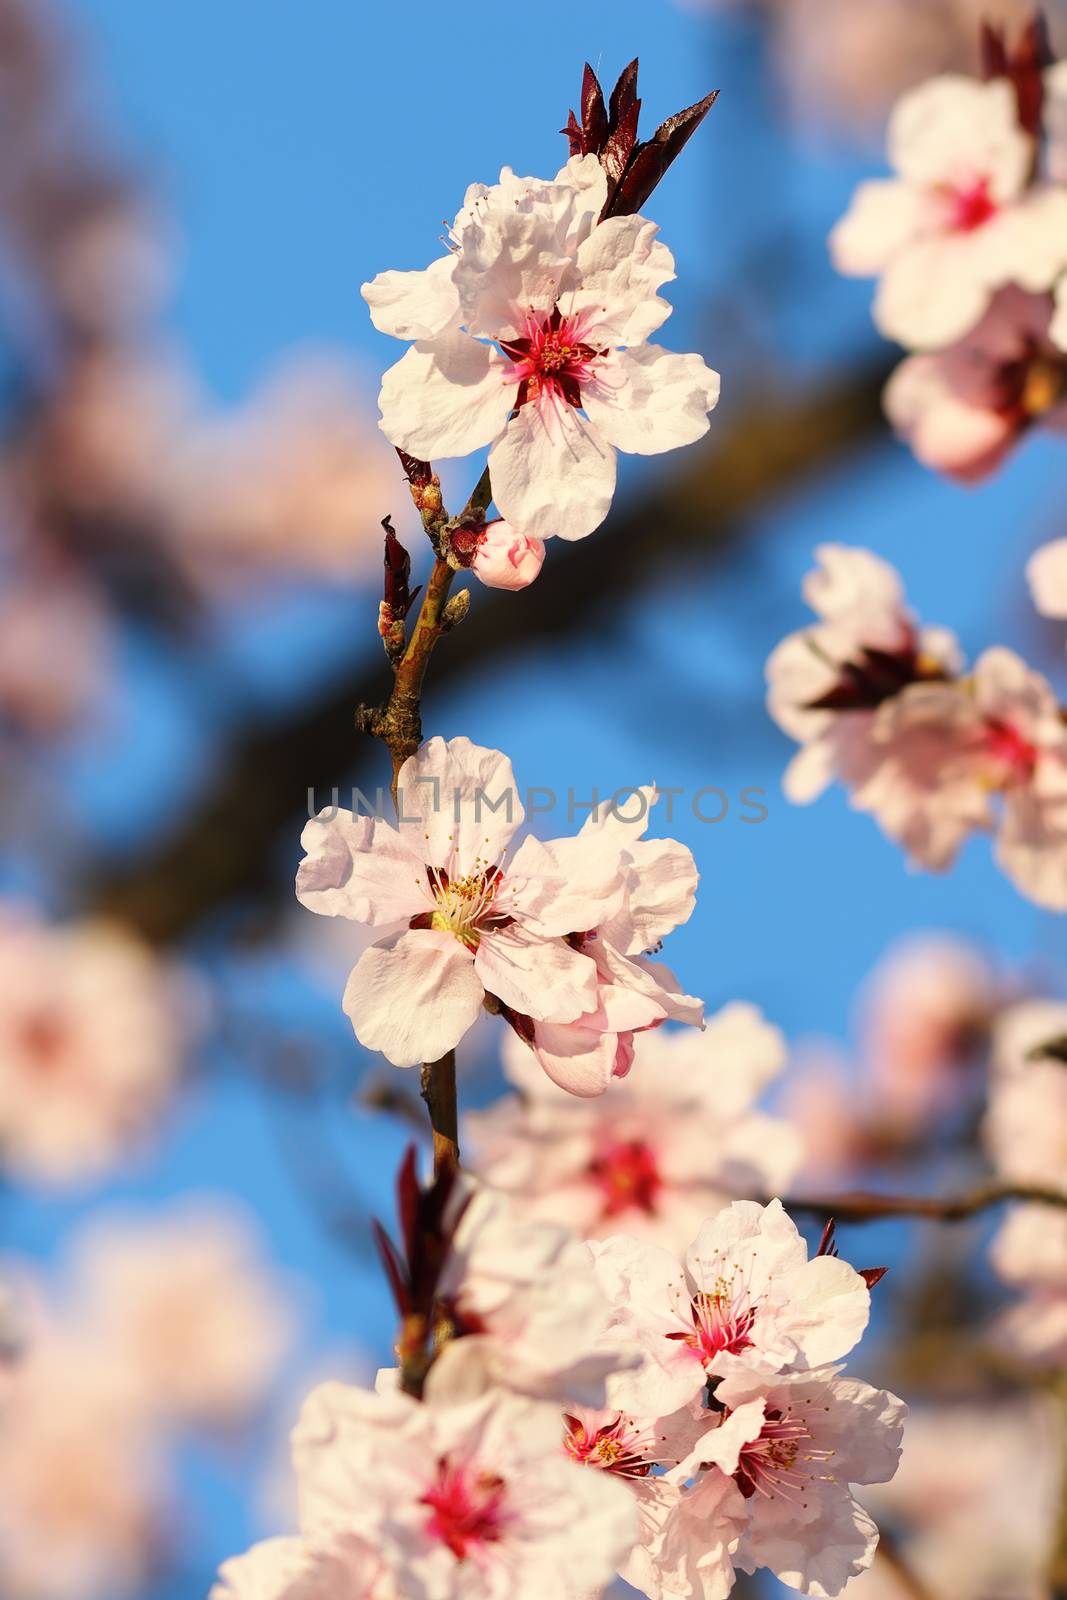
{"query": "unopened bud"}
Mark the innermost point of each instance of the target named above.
(456, 608)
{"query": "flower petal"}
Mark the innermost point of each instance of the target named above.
(885, 215)
(552, 474)
(413, 305)
(446, 397)
(413, 997)
(620, 267)
(359, 867)
(649, 400)
(458, 804)
(541, 978)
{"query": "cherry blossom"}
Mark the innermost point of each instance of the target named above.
(745, 1291)
(963, 409)
(670, 1145)
(525, 1310)
(685, 1535)
(462, 1501)
(531, 337)
(92, 1031)
(460, 921)
(826, 683)
(961, 219)
(185, 1303)
(794, 1443)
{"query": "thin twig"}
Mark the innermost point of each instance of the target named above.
(863, 1205)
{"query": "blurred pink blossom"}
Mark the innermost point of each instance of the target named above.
(92, 1033)
(675, 1140)
(185, 1301)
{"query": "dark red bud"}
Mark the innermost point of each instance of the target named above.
(873, 1275)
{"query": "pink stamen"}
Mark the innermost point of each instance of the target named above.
(552, 359)
(971, 206)
(628, 1176)
(615, 1446)
(1010, 749)
(721, 1321)
(776, 1462)
(467, 1512)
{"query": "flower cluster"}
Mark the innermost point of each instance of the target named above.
(552, 935)
(882, 705)
(968, 241)
(699, 1426)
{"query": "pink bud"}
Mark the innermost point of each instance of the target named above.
(505, 559)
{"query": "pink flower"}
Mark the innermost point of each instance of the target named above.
(504, 559)
(291, 1569)
(531, 338)
(185, 1304)
(794, 1443)
(964, 408)
(826, 683)
(92, 1030)
(526, 1310)
(459, 921)
(673, 1142)
(685, 1535)
(961, 219)
(473, 1501)
(745, 1291)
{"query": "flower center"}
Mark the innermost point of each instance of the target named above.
(43, 1038)
(626, 1173)
(721, 1319)
(551, 358)
(1012, 754)
(466, 1512)
(463, 907)
(777, 1462)
(970, 206)
(615, 1446)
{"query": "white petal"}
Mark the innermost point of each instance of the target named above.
(578, 1059)
(446, 397)
(649, 400)
(953, 129)
(359, 867)
(885, 215)
(541, 978)
(933, 293)
(458, 804)
(620, 268)
(552, 473)
(413, 997)
(413, 305)
(1046, 573)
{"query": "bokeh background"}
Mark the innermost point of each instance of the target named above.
(191, 486)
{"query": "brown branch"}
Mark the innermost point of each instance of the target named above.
(863, 1205)
(438, 1089)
